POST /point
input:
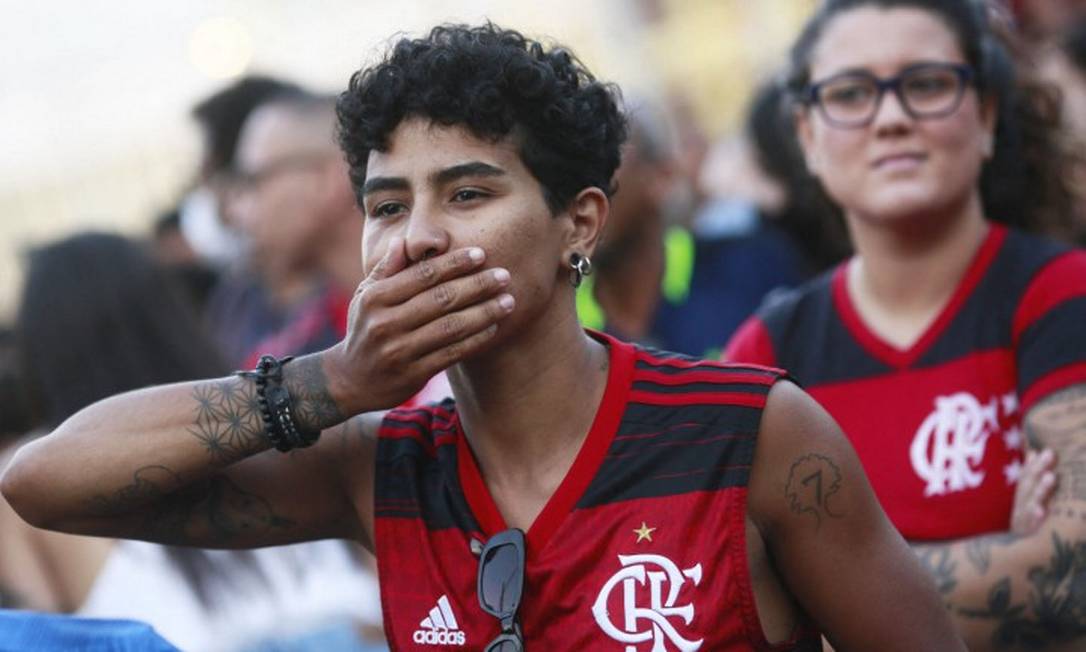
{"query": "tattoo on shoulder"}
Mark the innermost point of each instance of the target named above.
(313, 404)
(1053, 612)
(227, 420)
(812, 483)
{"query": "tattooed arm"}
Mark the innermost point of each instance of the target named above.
(184, 464)
(189, 464)
(1011, 592)
(830, 542)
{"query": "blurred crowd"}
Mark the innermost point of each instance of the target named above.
(260, 255)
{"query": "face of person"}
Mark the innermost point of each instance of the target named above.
(898, 165)
(277, 197)
(440, 188)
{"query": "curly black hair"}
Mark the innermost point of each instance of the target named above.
(497, 83)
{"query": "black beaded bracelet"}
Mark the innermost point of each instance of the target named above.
(276, 409)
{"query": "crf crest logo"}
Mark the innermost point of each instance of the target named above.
(949, 445)
(641, 624)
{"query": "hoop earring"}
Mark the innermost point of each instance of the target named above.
(579, 267)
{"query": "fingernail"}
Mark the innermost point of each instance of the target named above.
(476, 254)
(501, 275)
(506, 301)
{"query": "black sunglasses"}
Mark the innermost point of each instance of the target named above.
(500, 585)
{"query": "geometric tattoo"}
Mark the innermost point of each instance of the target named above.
(227, 420)
(812, 482)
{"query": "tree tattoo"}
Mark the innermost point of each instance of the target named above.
(812, 482)
(213, 511)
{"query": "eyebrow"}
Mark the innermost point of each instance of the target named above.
(377, 184)
(470, 169)
(441, 177)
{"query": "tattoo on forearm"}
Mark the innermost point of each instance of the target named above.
(979, 549)
(937, 560)
(812, 483)
(1054, 611)
(228, 421)
(314, 407)
(1059, 422)
(215, 511)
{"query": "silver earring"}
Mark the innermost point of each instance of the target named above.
(579, 267)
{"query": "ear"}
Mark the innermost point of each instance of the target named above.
(587, 217)
(801, 120)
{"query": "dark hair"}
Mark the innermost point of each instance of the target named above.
(15, 416)
(1073, 43)
(813, 221)
(99, 317)
(1023, 184)
(222, 115)
(497, 83)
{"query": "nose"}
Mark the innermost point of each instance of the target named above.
(890, 113)
(426, 236)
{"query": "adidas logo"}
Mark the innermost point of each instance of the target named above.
(440, 627)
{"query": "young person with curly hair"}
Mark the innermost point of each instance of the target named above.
(952, 341)
(483, 162)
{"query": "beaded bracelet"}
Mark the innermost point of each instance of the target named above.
(276, 410)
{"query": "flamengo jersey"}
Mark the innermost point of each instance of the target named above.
(938, 426)
(641, 548)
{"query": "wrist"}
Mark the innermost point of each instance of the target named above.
(320, 390)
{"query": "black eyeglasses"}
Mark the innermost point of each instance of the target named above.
(500, 585)
(240, 181)
(926, 90)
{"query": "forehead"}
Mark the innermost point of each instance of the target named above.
(418, 147)
(268, 133)
(882, 40)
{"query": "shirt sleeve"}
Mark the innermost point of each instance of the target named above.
(751, 344)
(1049, 329)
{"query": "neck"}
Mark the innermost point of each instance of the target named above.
(526, 407)
(628, 281)
(915, 263)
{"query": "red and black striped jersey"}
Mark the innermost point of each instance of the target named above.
(642, 546)
(938, 425)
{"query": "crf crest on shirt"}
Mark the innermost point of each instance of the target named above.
(642, 548)
(938, 426)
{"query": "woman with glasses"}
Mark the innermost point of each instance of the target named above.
(951, 343)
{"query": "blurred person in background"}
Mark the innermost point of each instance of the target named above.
(246, 305)
(1063, 64)
(174, 252)
(952, 340)
(1041, 20)
(669, 285)
(292, 198)
(99, 317)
